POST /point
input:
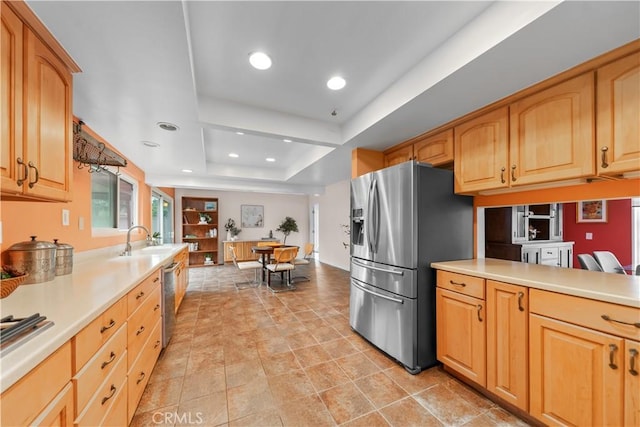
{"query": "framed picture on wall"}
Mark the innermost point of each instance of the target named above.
(252, 216)
(211, 206)
(592, 211)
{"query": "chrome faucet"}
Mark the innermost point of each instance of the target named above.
(127, 248)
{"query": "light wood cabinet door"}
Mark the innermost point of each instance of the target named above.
(632, 383)
(436, 149)
(618, 110)
(507, 342)
(461, 334)
(48, 94)
(398, 155)
(576, 375)
(481, 152)
(59, 412)
(551, 133)
(11, 102)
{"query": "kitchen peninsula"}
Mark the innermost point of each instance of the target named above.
(558, 344)
(105, 314)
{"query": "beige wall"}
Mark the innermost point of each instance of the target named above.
(333, 212)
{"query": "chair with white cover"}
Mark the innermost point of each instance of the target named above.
(245, 265)
(608, 262)
(283, 263)
(305, 260)
(588, 262)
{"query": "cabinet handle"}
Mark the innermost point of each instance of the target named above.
(604, 164)
(156, 344)
(109, 326)
(141, 330)
(520, 296)
(140, 295)
(609, 319)
(513, 173)
(32, 183)
(141, 377)
(113, 391)
(156, 307)
(457, 283)
(111, 359)
(479, 310)
(21, 181)
(502, 175)
(156, 279)
(633, 354)
(612, 351)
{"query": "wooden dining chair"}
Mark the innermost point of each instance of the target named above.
(245, 265)
(283, 263)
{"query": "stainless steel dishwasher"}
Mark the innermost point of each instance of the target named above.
(169, 301)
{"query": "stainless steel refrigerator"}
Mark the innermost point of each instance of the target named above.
(403, 218)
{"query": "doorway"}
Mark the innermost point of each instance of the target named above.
(162, 215)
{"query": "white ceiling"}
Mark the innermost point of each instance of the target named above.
(409, 66)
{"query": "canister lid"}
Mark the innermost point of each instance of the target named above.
(32, 245)
(62, 245)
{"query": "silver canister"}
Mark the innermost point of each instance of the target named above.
(36, 258)
(64, 258)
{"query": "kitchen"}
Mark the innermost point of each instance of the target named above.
(22, 219)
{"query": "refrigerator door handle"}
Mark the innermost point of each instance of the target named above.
(375, 204)
(368, 221)
(384, 270)
(398, 300)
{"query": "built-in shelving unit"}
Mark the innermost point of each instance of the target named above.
(200, 230)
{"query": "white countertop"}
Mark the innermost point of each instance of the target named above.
(73, 301)
(615, 288)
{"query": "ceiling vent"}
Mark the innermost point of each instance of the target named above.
(91, 153)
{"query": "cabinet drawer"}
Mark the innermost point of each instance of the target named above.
(467, 285)
(117, 415)
(29, 396)
(549, 254)
(99, 367)
(87, 342)
(587, 313)
(105, 396)
(141, 370)
(137, 296)
(141, 324)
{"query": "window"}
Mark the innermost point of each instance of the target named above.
(162, 215)
(113, 200)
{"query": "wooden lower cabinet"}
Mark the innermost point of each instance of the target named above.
(631, 383)
(507, 342)
(461, 334)
(59, 412)
(35, 396)
(242, 249)
(575, 373)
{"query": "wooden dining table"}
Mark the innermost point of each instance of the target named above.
(265, 252)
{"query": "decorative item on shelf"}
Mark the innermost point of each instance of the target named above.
(157, 239)
(286, 227)
(204, 218)
(208, 258)
(213, 232)
(193, 247)
(211, 206)
(232, 230)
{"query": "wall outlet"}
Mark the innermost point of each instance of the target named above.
(588, 236)
(65, 217)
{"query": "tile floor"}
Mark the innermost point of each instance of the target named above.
(254, 358)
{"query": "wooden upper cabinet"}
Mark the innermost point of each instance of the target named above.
(398, 155)
(49, 132)
(37, 134)
(481, 152)
(618, 116)
(551, 133)
(11, 102)
(436, 149)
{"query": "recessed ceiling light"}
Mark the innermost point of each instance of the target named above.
(270, 159)
(187, 170)
(239, 133)
(260, 60)
(167, 126)
(286, 140)
(336, 83)
(234, 155)
(151, 144)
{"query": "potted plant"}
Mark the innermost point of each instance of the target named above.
(286, 227)
(157, 238)
(205, 218)
(207, 258)
(232, 230)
